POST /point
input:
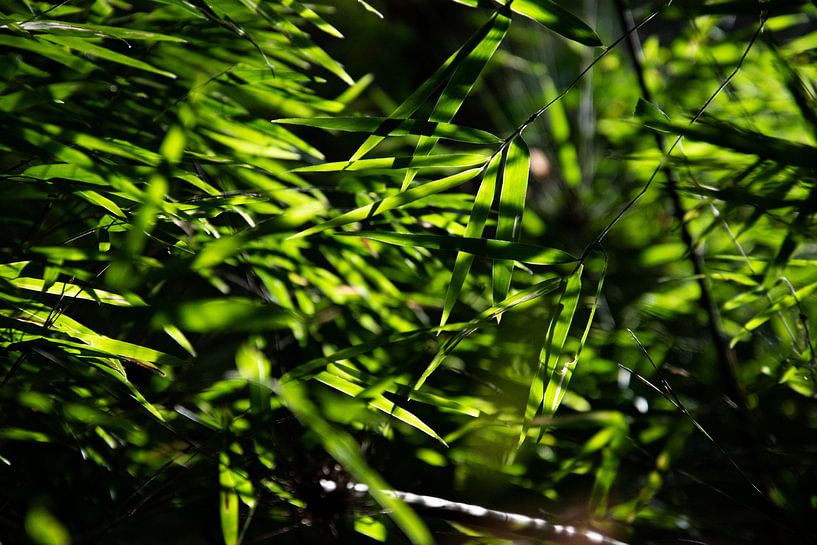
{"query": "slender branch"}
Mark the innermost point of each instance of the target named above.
(510, 521)
(727, 362)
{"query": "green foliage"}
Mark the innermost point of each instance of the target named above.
(208, 305)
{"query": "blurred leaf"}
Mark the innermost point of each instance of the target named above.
(230, 314)
(44, 528)
(228, 501)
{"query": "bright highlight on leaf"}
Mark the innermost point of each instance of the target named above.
(551, 354)
(385, 126)
(548, 14)
(515, 169)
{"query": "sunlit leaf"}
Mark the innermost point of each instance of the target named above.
(384, 126)
(551, 367)
(512, 197)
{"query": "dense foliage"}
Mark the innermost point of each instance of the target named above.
(552, 262)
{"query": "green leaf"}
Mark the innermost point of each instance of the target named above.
(309, 14)
(86, 47)
(494, 249)
(723, 134)
(474, 229)
(228, 501)
(368, 7)
(460, 85)
(44, 528)
(385, 126)
(492, 313)
(551, 352)
(560, 378)
(379, 402)
(418, 97)
(341, 446)
(395, 163)
(377, 208)
(548, 14)
(511, 207)
(227, 314)
(79, 29)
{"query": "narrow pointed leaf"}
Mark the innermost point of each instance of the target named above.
(560, 378)
(511, 206)
(384, 126)
(474, 229)
(548, 14)
(379, 402)
(418, 97)
(228, 501)
(461, 83)
(376, 208)
(492, 313)
(726, 135)
(452, 160)
(87, 47)
(494, 249)
(309, 14)
(554, 344)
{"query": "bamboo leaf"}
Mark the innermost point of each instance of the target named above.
(453, 160)
(494, 249)
(548, 14)
(560, 378)
(228, 314)
(552, 350)
(460, 85)
(228, 501)
(379, 402)
(492, 313)
(418, 97)
(720, 133)
(87, 47)
(377, 208)
(474, 229)
(511, 207)
(309, 14)
(385, 126)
